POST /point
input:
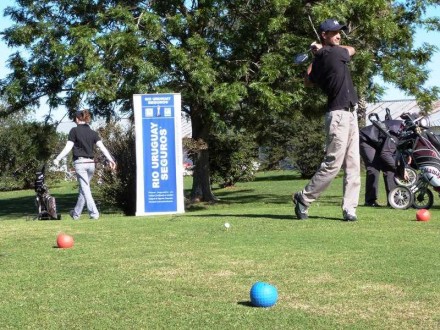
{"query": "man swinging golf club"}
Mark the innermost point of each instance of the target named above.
(329, 71)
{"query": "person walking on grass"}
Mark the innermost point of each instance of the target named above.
(329, 71)
(82, 140)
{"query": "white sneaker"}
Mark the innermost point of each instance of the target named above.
(349, 217)
(72, 215)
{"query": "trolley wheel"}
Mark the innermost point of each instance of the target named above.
(400, 198)
(412, 178)
(423, 199)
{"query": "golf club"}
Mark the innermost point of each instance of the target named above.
(313, 27)
(303, 57)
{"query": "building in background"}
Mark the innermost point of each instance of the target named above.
(403, 106)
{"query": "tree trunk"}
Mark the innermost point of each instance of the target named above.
(362, 111)
(201, 188)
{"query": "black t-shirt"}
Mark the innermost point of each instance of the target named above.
(84, 139)
(331, 73)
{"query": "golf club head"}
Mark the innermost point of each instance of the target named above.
(301, 58)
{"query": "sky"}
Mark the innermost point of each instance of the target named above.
(391, 93)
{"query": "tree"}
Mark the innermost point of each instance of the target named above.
(231, 60)
(24, 149)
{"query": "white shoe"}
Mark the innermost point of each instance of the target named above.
(349, 217)
(72, 215)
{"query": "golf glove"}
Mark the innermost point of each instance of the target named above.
(56, 162)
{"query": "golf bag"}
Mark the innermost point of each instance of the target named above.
(46, 205)
(417, 151)
(375, 134)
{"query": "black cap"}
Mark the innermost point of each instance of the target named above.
(331, 24)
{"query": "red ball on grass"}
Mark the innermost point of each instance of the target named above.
(423, 215)
(64, 241)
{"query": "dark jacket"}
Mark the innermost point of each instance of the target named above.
(388, 155)
(374, 137)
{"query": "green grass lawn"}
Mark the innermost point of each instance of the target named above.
(189, 272)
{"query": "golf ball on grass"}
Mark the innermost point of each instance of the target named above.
(423, 215)
(227, 225)
(263, 295)
(64, 241)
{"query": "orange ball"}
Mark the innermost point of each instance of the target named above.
(423, 215)
(64, 241)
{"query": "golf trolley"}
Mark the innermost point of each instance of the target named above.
(46, 205)
(417, 150)
(411, 192)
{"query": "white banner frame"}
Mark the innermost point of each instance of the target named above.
(159, 159)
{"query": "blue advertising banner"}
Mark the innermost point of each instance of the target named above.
(158, 154)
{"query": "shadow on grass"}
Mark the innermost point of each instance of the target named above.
(12, 208)
(17, 207)
(240, 197)
(325, 218)
(284, 217)
(233, 197)
(284, 177)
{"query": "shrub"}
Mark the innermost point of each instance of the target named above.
(118, 189)
(232, 158)
(306, 147)
(274, 139)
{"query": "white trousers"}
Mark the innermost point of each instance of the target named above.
(84, 173)
(342, 151)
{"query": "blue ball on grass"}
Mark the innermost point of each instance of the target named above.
(263, 294)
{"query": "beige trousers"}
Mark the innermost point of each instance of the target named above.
(342, 151)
